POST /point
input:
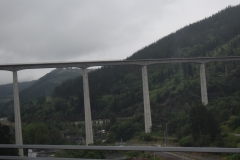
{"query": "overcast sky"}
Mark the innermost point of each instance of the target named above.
(83, 30)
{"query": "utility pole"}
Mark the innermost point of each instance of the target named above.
(166, 135)
(165, 138)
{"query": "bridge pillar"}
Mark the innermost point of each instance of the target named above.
(203, 84)
(147, 110)
(87, 109)
(17, 115)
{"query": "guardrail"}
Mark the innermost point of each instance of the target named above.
(40, 158)
(113, 148)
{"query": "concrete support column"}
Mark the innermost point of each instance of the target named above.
(203, 84)
(147, 110)
(17, 115)
(87, 109)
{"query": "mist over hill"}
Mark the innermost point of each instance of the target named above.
(37, 88)
(6, 90)
(45, 85)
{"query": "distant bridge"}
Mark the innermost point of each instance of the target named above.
(142, 62)
(84, 65)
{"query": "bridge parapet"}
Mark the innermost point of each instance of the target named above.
(128, 148)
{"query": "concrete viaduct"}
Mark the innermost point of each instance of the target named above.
(84, 65)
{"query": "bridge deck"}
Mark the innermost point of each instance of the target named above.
(17, 67)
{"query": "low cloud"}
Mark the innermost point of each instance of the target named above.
(73, 30)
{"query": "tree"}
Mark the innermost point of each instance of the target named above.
(5, 138)
(204, 127)
(38, 133)
(125, 130)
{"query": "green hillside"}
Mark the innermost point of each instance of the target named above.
(45, 85)
(116, 91)
(6, 90)
(31, 90)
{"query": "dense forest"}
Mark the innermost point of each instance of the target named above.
(116, 91)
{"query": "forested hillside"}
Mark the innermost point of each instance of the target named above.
(6, 93)
(7, 89)
(45, 85)
(30, 90)
(116, 91)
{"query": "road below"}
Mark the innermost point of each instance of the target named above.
(186, 156)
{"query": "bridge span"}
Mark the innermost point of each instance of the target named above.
(142, 62)
(84, 65)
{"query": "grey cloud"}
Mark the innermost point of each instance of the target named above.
(72, 30)
(54, 30)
